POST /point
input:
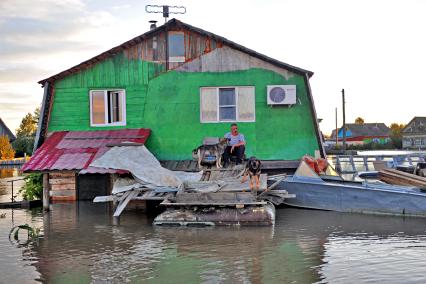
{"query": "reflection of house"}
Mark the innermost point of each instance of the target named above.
(4, 130)
(414, 134)
(364, 133)
(183, 84)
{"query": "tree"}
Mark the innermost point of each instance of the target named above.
(359, 120)
(26, 132)
(6, 150)
(396, 134)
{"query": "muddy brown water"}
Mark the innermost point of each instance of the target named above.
(81, 244)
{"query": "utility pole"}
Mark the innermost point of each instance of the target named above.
(344, 122)
(336, 132)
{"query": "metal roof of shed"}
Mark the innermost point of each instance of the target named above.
(75, 150)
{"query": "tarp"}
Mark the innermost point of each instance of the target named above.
(144, 167)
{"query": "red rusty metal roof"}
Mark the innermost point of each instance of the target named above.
(75, 150)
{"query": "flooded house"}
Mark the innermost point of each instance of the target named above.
(360, 134)
(169, 88)
(414, 134)
(4, 130)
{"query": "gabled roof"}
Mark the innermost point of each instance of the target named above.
(75, 150)
(4, 130)
(173, 23)
(416, 126)
(365, 129)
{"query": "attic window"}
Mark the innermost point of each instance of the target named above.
(107, 108)
(176, 47)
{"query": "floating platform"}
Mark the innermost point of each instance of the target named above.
(259, 214)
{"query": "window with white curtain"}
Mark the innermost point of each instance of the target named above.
(227, 104)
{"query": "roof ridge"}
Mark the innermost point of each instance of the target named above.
(172, 22)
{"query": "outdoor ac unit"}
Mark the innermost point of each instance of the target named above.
(281, 94)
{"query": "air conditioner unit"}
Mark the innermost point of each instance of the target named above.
(281, 94)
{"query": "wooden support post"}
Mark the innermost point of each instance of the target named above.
(344, 122)
(46, 187)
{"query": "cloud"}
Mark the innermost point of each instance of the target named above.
(38, 39)
(20, 74)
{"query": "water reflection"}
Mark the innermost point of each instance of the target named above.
(81, 245)
(8, 172)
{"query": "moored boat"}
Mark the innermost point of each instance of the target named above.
(333, 193)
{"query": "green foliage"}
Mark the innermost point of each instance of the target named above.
(359, 120)
(23, 144)
(25, 134)
(396, 134)
(33, 188)
(6, 150)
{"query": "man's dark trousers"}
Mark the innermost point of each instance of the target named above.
(238, 151)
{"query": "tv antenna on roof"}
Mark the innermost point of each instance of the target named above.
(166, 10)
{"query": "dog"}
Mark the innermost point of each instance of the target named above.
(215, 150)
(252, 170)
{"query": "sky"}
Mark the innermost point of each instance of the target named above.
(374, 49)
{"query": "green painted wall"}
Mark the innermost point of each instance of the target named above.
(173, 113)
(169, 105)
(71, 100)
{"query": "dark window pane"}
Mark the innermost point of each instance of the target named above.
(114, 107)
(226, 96)
(227, 113)
(176, 45)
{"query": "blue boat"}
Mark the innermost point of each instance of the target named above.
(332, 193)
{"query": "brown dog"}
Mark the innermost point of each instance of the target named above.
(253, 171)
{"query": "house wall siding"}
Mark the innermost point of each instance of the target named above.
(71, 109)
(169, 104)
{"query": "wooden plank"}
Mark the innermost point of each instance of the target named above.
(54, 175)
(62, 193)
(211, 204)
(46, 197)
(396, 177)
(107, 198)
(56, 187)
(124, 200)
(61, 181)
(213, 197)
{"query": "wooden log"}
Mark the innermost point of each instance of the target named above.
(46, 197)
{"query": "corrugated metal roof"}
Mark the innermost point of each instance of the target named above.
(75, 150)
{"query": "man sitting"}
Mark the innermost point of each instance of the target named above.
(236, 145)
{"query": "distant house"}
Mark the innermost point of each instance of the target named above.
(358, 134)
(4, 130)
(414, 134)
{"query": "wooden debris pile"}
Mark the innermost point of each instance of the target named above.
(392, 176)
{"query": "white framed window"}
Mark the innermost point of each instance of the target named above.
(227, 104)
(107, 107)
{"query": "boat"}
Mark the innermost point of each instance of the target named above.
(368, 164)
(331, 192)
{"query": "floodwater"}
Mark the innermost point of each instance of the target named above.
(82, 244)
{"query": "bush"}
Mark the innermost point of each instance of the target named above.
(6, 150)
(33, 188)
